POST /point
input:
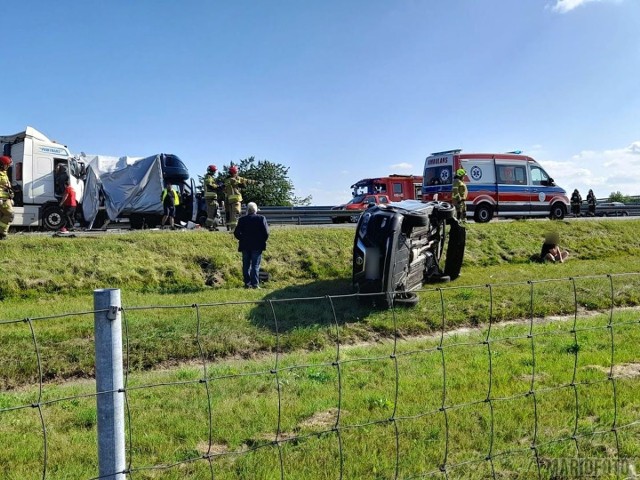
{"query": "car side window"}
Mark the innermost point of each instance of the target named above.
(384, 200)
(370, 200)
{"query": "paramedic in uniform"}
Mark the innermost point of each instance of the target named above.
(211, 197)
(6, 197)
(233, 197)
(459, 194)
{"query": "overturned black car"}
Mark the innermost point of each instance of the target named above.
(399, 246)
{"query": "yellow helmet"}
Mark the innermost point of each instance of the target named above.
(461, 172)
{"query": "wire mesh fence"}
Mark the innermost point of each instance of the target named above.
(520, 380)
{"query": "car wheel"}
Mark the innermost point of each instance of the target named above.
(625, 214)
(483, 213)
(52, 217)
(455, 250)
(557, 211)
(444, 211)
(405, 299)
(354, 218)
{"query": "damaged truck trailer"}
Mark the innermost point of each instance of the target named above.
(107, 188)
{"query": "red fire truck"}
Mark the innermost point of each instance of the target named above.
(396, 187)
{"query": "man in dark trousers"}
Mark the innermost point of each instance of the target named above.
(252, 232)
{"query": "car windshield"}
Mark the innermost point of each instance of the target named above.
(356, 199)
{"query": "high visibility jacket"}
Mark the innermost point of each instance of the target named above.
(5, 185)
(232, 188)
(458, 191)
(210, 186)
(176, 197)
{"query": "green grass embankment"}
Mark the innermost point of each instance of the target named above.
(43, 276)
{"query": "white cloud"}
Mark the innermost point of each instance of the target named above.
(564, 6)
(402, 166)
(603, 171)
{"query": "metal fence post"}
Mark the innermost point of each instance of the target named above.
(109, 378)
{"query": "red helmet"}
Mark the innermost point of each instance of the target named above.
(212, 169)
(233, 170)
(6, 161)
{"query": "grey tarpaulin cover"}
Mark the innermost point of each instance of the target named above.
(127, 184)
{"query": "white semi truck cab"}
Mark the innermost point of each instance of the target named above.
(40, 169)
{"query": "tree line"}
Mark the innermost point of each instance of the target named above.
(274, 188)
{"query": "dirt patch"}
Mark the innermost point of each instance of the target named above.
(624, 370)
(218, 449)
(322, 420)
(212, 276)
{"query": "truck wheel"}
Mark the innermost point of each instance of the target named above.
(52, 217)
(557, 211)
(483, 213)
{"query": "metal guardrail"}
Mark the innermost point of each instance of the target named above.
(317, 215)
(612, 211)
(307, 215)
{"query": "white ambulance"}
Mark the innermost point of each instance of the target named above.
(504, 184)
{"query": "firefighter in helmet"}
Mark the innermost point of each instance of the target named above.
(233, 196)
(576, 201)
(6, 197)
(211, 187)
(459, 194)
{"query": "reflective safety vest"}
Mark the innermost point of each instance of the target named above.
(175, 196)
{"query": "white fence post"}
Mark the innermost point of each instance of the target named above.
(109, 378)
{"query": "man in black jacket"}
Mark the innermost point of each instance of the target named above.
(252, 232)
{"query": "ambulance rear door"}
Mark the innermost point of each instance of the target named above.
(438, 177)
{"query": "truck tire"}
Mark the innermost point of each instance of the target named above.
(52, 218)
(558, 211)
(483, 213)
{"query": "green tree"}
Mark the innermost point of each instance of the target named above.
(618, 197)
(275, 189)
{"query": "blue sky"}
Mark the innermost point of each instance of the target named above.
(337, 90)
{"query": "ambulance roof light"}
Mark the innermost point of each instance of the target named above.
(448, 152)
(516, 152)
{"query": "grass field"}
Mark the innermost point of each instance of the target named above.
(399, 400)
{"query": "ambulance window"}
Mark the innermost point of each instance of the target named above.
(438, 176)
(397, 188)
(512, 175)
(539, 176)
